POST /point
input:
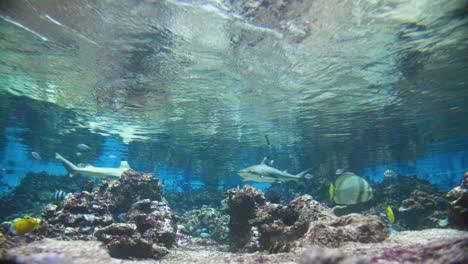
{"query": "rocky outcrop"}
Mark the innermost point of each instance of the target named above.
(124, 241)
(349, 228)
(154, 221)
(419, 210)
(256, 225)
(129, 215)
(81, 214)
(457, 205)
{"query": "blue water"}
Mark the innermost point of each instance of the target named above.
(444, 169)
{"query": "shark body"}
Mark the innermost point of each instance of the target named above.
(93, 172)
(265, 173)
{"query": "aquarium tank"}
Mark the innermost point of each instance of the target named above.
(234, 131)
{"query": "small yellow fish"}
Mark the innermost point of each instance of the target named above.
(390, 216)
(331, 191)
(23, 226)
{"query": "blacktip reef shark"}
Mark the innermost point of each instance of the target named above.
(265, 173)
(93, 172)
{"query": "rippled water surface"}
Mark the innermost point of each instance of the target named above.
(213, 86)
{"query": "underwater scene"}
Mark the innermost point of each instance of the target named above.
(234, 131)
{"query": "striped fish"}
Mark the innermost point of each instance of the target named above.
(59, 196)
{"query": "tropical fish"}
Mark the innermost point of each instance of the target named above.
(23, 226)
(389, 173)
(204, 235)
(350, 189)
(265, 173)
(93, 172)
(36, 155)
(339, 171)
(331, 191)
(112, 157)
(59, 196)
(83, 146)
(443, 222)
(79, 154)
(390, 215)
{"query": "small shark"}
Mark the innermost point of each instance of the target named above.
(93, 172)
(265, 173)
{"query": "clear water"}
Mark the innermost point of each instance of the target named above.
(196, 90)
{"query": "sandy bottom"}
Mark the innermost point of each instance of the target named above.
(427, 246)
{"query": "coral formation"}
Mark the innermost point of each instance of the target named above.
(34, 192)
(457, 204)
(398, 188)
(154, 221)
(124, 241)
(80, 214)
(136, 198)
(205, 222)
(256, 225)
(419, 209)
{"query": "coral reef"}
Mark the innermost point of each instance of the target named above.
(124, 241)
(136, 198)
(34, 192)
(393, 190)
(256, 225)
(418, 211)
(457, 205)
(205, 222)
(155, 221)
(82, 213)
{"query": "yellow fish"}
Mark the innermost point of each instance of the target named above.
(331, 191)
(390, 216)
(23, 226)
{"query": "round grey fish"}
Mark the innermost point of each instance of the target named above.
(352, 189)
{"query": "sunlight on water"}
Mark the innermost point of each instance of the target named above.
(336, 83)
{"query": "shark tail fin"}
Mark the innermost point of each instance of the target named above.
(304, 174)
(71, 168)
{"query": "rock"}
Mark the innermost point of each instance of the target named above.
(457, 205)
(52, 251)
(151, 230)
(319, 255)
(241, 207)
(124, 241)
(427, 247)
(80, 213)
(256, 225)
(349, 228)
(417, 210)
(155, 221)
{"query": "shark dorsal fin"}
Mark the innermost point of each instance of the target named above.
(265, 161)
(124, 165)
